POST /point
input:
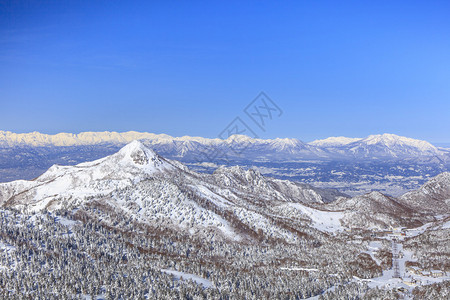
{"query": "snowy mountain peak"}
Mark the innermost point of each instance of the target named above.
(391, 140)
(286, 143)
(392, 146)
(385, 137)
(139, 154)
(134, 158)
(387, 140)
(131, 164)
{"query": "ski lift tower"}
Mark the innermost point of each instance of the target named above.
(395, 263)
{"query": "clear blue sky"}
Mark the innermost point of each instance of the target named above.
(349, 68)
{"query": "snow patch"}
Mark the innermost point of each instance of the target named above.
(186, 276)
(329, 221)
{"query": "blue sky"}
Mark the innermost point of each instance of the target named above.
(348, 68)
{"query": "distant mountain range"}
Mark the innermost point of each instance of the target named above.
(381, 146)
(387, 163)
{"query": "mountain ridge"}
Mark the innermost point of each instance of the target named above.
(8, 138)
(381, 146)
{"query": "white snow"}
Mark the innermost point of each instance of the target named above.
(213, 197)
(66, 222)
(392, 139)
(186, 276)
(322, 220)
(373, 248)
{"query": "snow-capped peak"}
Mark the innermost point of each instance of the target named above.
(387, 140)
(132, 164)
(285, 143)
(135, 157)
(391, 145)
(136, 153)
(391, 140)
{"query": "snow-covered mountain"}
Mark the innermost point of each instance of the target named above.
(238, 146)
(137, 183)
(432, 197)
(131, 164)
(391, 145)
(36, 139)
(379, 146)
(232, 203)
(134, 210)
(412, 209)
(375, 210)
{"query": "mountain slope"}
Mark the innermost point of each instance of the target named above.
(412, 209)
(375, 210)
(379, 146)
(139, 184)
(131, 164)
(432, 197)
